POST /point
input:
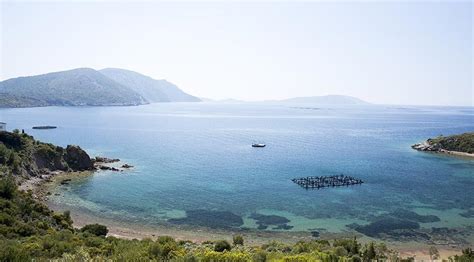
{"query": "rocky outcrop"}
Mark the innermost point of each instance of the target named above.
(104, 163)
(104, 167)
(78, 159)
(426, 146)
(26, 157)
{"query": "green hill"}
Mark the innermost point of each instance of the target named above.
(151, 89)
(459, 143)
(77, 87)
(88, 87)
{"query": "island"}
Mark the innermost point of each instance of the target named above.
(460, 145)
(44, 127)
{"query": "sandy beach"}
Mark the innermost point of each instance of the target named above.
(427, 147)
(456, 153)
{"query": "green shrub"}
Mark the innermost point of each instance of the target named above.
(24, 229)
(259, 256)
(95, 229)
(370, 253)
(238, 240)
(6, 219)
(222, 245)
(12, 251)
(340, 251)
(351, 245)
(213, 256)
(162, 248)
(7, 187)
(4, 154)
(47, 151)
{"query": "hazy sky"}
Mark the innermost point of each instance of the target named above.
(390, 52)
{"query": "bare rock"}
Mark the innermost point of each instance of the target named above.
(78, 159)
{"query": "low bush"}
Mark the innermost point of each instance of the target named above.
(238, 240)
(7, 187)
(95, 229)
(222, 245)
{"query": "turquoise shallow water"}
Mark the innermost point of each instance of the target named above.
(192, 157)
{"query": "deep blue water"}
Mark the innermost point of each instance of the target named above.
(190, 156)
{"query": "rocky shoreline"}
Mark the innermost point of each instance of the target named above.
(429, 146)
(103, 163)
(42, 185)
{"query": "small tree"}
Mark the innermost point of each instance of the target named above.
(238, 240)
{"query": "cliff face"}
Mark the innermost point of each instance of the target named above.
(78, 159)
(22, 155)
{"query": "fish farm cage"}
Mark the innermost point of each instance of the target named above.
(317, 182)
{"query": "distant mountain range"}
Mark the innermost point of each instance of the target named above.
(89, 87)
(114, 86)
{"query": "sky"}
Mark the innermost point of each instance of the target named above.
(386, 52)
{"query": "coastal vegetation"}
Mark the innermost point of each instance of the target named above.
(460, 143)
(456, 143)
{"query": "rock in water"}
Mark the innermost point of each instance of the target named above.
(99, 159)
(78, 159)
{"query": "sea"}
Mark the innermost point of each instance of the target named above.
(194, 167)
